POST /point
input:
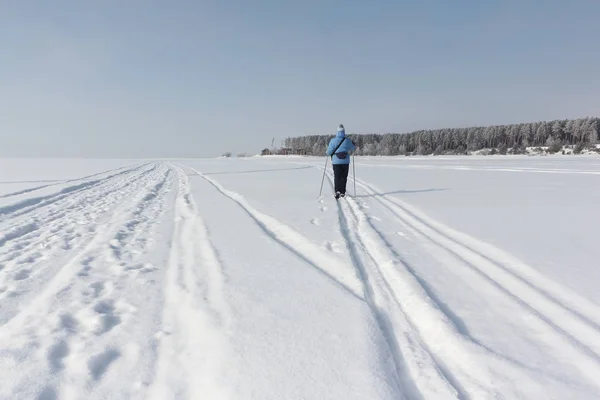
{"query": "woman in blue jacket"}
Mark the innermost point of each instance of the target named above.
(340, 149)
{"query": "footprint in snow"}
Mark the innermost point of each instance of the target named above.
(331, 247)
(85, 271)
(87, 265)
(48, 393)
(99, 364)
(56, 355)
(88, 260)
(142, 268)
(68, 323)
(21, 275)
(31, 258)
(98, 288)
(108, 317)
(13, 256)
(315, 221)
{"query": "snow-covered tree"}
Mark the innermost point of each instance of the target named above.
(459, 140)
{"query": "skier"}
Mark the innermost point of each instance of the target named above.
(339, 149)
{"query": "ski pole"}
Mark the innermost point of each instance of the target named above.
(354, 174)
(323, 179)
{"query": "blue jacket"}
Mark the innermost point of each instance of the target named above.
(347, 147)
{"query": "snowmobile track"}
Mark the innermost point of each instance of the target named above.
(196, 316)
(80, 344)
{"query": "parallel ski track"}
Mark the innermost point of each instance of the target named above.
(472, 369)
(488, 169)
(89, 294)
(197, 318)
(573, 320)
(419, 375)
(504, 266)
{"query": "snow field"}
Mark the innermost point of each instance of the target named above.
(231, 279)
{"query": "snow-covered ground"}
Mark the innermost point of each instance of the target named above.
(445, 277)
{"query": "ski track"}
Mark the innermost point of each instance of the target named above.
(418, 374)
(325, 263)
(197, 318)
(472, 369)
(433, 384)
(79, 346)
(488, 169)
(574, 334)
(432, 358)
(568, 313)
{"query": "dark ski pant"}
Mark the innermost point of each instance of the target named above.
(340, 172)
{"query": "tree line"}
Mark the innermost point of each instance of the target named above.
(515, 138)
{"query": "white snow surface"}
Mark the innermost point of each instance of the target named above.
(443, 278)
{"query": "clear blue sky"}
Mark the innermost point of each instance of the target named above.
(196, 78)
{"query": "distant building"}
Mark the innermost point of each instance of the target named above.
(284, 151)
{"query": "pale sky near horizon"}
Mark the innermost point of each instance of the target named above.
(198, 78)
